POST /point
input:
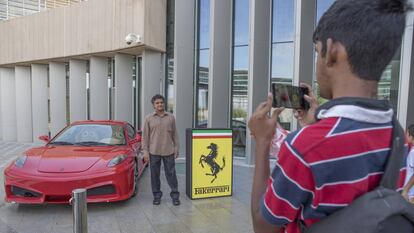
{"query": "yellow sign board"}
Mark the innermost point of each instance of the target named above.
(209, 163)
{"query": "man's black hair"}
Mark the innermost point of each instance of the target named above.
(410, 130)
(370, 30)
(155, 97)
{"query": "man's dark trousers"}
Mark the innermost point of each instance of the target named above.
(169, 169)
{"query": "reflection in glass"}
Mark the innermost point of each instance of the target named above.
(202, 87)
(170, 84)
(283, 49)
(282, 60)
(239, 99)
(283, 20)
(388, 86)
(170, 57)
(241, 22)
(203, 65)
(91, 135)
(204, 22)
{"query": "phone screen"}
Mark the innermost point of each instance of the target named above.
(289, 96)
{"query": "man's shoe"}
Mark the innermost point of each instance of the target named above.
(176, 201)
(156, 201)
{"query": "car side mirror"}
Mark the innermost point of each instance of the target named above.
(44, 138)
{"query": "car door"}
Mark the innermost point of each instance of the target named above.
(135, 144)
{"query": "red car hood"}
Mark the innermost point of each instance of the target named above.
(68, 159)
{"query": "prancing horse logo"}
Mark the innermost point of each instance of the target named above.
(210, 160)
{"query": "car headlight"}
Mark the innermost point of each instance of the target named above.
(117, 160)
(19, 162)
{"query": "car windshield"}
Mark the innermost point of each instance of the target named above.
(91, 135)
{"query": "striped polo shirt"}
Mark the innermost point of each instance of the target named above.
(323, 167)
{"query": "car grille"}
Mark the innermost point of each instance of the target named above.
(57, 198)
(21, 192)
(101, 190)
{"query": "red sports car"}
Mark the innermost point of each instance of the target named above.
(103, 157)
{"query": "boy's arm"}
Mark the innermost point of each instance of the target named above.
(175, 139)
(262, 128)
(145, 140)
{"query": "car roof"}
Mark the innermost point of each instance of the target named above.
(100, 122)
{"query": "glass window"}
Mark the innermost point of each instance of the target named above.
(282, 72)
(131, 131)
(136, 84)
(202, 87)
(282, 60)
(239, 99)
(241, 22)
(67, 95)
(239, 86)
(170, 57)
(88, 91)
(388, 86)
(3, 9)
(170, 84)
(283, 49)
(91, 134)
(204, 22)
(202, 68)
(283, 20)
(15, 8)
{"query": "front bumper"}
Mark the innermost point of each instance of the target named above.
(106, 186)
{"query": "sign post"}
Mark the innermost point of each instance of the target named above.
(209, 163)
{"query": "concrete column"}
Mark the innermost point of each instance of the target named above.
(395, 81)
(57, 79)
(123, 87)
(183, 68)
(259, 62)
(305, 18)
(153, 76)
(98, 88)
(220, 64)
(23, 104)
(405, 109)
(8, 104)
(77, 90)
(1, 122)
(40, 95)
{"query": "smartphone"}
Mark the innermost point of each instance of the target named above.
(289, 96)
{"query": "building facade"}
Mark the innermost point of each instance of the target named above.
(213, 60)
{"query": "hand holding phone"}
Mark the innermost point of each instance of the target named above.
(289, 96)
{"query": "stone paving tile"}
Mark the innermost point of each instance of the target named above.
(137, 215)
(177, 227)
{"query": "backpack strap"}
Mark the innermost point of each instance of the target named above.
(396, 158)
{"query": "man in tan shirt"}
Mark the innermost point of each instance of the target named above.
(160, 142)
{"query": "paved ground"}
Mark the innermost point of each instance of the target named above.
(138, 215)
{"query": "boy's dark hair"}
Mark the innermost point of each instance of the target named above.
(370, 30)
(410, 130)
(155, 97)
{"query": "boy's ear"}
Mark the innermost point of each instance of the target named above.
(331, 52)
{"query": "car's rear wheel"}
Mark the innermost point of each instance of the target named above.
(134, 193)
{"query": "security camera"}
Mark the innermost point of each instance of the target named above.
(132, 38)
